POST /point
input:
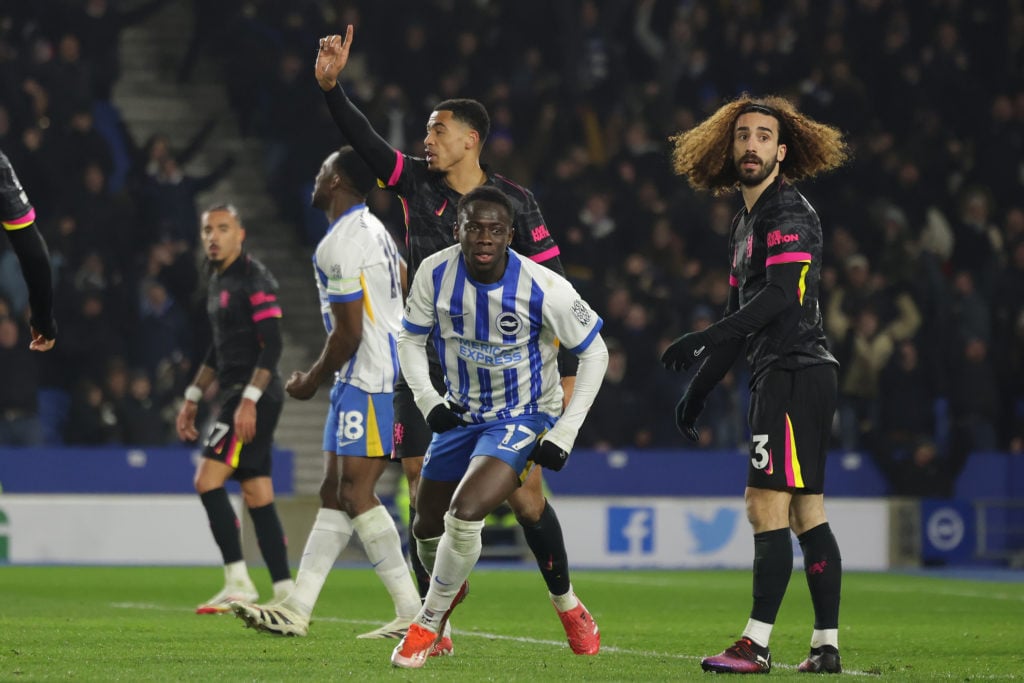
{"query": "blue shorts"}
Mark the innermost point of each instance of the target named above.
(510, 441)
(358, 422)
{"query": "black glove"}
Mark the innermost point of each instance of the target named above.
(549, 455)
(687, 410)
(442, 418)
(685, 351)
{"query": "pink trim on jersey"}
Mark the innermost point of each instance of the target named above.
(22, 222)
(405, 214)
(545, 255)
(733, 282)
(791, 257)
(261, 298)
(397, 172)
(787, 456)
(274, 312)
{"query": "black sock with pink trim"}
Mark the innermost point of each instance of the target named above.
(823, 568)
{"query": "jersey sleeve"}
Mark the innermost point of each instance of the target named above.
(531, 238)
(573, 321)
(420, 314)
(791, 236)
(341, 271)
(263, 290)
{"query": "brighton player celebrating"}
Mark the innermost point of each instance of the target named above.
(430, 188)
(495, 318)
(761, 146)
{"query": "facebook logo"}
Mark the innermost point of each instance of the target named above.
(631, 530)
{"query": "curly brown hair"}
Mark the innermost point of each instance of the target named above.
(704, 154)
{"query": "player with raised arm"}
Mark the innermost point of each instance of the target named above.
(359, 277)
(241, 302)
(430, 189)
(762, 146)
(495, 319)
(19, 221)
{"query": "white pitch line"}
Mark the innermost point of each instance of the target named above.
(489, 636)
(973, 595)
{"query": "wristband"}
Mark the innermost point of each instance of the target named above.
(193, 393)
(252, 393)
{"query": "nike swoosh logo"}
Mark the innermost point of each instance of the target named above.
(377, 562)
(697, 352)
(342, 444)
(441, 582)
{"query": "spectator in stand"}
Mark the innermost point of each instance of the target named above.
(163, 327)
(619, 417)
(99, 23)
(91, 420)
(907, 392)
(974, 400)
(169, 201)
(978, 243)
(19, 403)
(142, 421)
(920, 472)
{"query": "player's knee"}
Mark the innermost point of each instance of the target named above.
(468, 511)
(427, 527)
(528, 506)
(329, 494)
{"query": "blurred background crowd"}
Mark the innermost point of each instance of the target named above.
(923, 281)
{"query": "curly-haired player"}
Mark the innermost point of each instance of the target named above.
(761, 146)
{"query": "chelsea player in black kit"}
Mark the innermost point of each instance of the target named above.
(761, 146)
(242, 304)
(19, 221)
(430, 188)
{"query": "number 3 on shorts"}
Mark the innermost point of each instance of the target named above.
(761, 456)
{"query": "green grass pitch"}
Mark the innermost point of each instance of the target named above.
(137, 624)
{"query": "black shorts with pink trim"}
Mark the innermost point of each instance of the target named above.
(790, 417)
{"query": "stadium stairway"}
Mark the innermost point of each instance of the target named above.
(149, 101)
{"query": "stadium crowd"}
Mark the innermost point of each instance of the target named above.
(923, 287)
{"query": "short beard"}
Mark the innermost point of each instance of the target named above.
(757, 178)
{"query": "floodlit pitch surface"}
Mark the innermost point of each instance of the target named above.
(136, 624)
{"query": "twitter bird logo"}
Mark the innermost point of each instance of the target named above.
(711, 535)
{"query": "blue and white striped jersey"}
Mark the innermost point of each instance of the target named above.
(497, 342)
(357, 259)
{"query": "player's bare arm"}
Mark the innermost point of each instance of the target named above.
(245, 414)
(332, 58)
(186, 422)
(341, 344)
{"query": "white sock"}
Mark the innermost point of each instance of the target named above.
(758, 631)
(564, 603)
(236, 574)
(827, 636)
(379, 536)
(330, 534)
(282, 589)
(426, 548)
(457, 554)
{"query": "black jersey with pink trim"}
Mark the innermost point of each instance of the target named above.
(782, 228)
(237, 300)
(429, 204)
